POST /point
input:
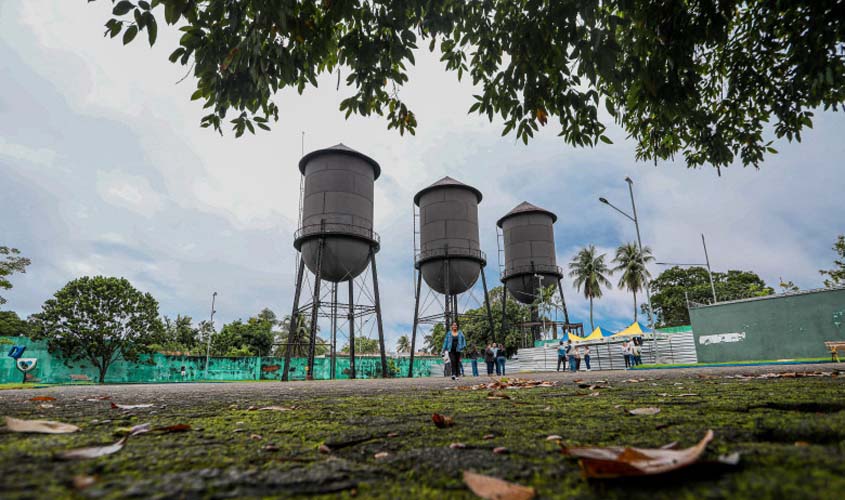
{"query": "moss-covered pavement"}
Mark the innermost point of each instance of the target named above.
(789, 430)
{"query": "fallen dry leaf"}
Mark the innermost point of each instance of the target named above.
(256, 437)
(618, 461)
(270, 447)
(381, 454)
(39, 426)
(46, 406)
(553, 437)
(500, 450)
(488, 436)
(729, 459)
(644, 411)
(278, 408)
(457, 446)
(497, 395)
(324, 449)
(802, 443)
(93, 451)
(442, 421)
(491, 488)
(82, 481)
(42, 398)
(392, 434)
(129, 407)
(173, 428)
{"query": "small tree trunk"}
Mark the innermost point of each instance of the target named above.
(592, 327)
(635, 307)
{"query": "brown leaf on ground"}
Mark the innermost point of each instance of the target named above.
(256, 437)
(278, 408)
(42, 398)
(81, 481)
(442, 421)
(380, 455)
(644, 411)
(491, 488)
(173, 428)
(93, 451)
(508, 383)
(39, 426)
(617, 461)
(392, 434)
(500, 450)
(488, 436)
(324, 449)
(130, 407)
(553, 437)
(497, 395)
(457, 446)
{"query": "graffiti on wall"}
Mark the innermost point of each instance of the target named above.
(720, 338)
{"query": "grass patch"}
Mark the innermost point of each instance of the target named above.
(736, 363)
(236, 452)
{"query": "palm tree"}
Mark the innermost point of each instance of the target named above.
(587, 270)
(403, 344)
(632, 265)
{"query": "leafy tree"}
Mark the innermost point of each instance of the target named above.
(300, 349)
(11, 263)
(255, 337)
(588, 272)
(837, 274)
(702, 79)
(403, 344)
(180, 335)
(363, 345)
(668, 291)
(11, 325)
(100, 319)
(267, 314)
(632, 265)
(787, 286)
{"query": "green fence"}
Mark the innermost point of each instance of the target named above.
(793, 325)
(168, 368)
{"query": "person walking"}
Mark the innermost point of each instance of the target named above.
(454, 344)
(579, 353)
(500, 359)
(635, 352)
(587, 356)
(473, 358)
(489, 358)
(447, 365)
(561, 356)
(570, 355)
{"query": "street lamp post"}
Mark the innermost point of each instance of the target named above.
(642, 259)
(208, 343)
(706, 264)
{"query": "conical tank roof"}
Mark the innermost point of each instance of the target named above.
(525, 208)
(342, 149)
(445, 183)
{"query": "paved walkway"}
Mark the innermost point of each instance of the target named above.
(195, 393)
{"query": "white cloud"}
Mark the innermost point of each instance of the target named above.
(132, 192)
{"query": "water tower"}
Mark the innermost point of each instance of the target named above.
(336, 243)
(530, 262)
(449, 258)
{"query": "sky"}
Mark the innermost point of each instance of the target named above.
(104, 170)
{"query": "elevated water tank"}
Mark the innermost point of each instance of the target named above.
(337, 205)
(449, 233)
(529, 251)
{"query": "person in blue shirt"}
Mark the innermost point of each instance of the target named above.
(454, 344)
(561, 356)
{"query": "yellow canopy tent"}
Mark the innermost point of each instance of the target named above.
(632, 330)
(596, 335)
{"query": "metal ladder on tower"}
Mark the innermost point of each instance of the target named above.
(500, 246)
(416, 219)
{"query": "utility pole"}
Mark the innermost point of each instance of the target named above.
(208, 343)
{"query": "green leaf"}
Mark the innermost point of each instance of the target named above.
(152, 28)
(144, 5)
(129, 34)
(122, 7)
(605, 139)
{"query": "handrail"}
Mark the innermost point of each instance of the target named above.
(336, 228)
(532, 269)
(446, 252)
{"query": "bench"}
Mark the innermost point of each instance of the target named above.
(834, 348)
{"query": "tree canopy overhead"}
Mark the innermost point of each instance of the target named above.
(700, 79)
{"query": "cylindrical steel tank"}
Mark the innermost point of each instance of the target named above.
(337, 206)
(529, 251)
(449, 234)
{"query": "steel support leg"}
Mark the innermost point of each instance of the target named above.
(293, 328)
(504, 314)
(490, 333)
(416, 323)
(351, 317)
(334, 332)
(384, 372)
(315, 307)
(563, 301)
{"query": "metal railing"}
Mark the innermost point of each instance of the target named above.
(451, 252)
(532, 269)
(336, 228)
